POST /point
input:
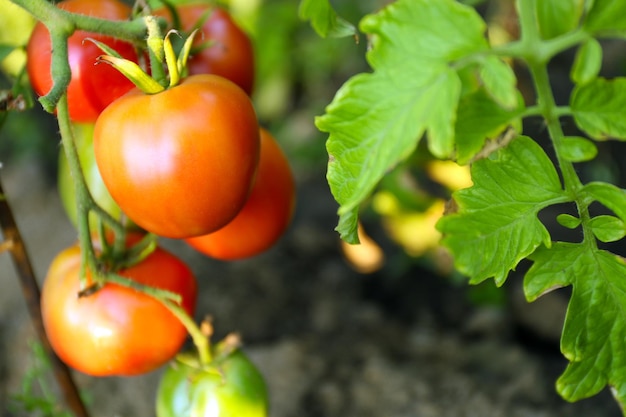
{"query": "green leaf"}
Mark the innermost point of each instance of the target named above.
(578, 149)
(377, 119)
(567, 220)
(598, 108)
(480, 118)
(324, 19)
(594, 332)
(500, 82)
(606, 16)
(496, 225)
(608, 195)
(587, 62)
(607, 228)
(557, 17)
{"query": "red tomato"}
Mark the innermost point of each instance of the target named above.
(116, 330)
(93, 87)
(267, 212)
(231, 53)
(180, 163)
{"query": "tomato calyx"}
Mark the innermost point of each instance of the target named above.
(162, 54)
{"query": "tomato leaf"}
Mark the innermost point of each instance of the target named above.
(578, 149)
(587, 62)
(377, 119)
(606, 17)
(496, 224)
(595, 325)
(569, 221)
(610, 196)
(324, 19)
(500, 82)
(557, 17)
(480, 118)
(607, 228)
(598, 108)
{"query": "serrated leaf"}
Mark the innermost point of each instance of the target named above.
(594, 333)
(556, 17)
(567, 220)
(496, 224)
(606, 16)
(480, 118)
(607, 228)
(411, 31)
(500, 82)
(324, 19)
(578, 149)
(377, 119)
(587, 62)
(598, 108)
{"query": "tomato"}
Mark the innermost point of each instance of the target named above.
(116, 330)
(230, 53)
(228, 387)
(180, 163)
(264, 217)
(83, 138)
(92, 87)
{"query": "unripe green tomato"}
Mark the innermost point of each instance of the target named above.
(83, 137)
(230, 386)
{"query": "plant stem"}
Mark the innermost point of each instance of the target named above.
(84, 200)
(200, 340)
(31, 292)
(537, 63)
(62, 24)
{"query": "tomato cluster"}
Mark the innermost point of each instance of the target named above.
(188, 161)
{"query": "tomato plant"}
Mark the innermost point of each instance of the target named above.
(116, 330)
(92, 87)
(221, 48)
(83, 138)
(180, 163)
(230, 386)
(264, 217)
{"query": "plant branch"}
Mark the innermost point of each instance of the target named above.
(30, 289)
(62, 24)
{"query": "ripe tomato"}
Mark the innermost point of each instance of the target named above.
(264, 217)
(231, 53)
(229, 387)
(116, 330)
(180, 163)
(83, 138)
(93, 87)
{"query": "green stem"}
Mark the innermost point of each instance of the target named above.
(537, 62)
(200, 340)
(62, 24)
(84, 200)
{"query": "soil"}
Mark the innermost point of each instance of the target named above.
(330, 341)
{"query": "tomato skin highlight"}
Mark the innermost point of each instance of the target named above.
(116, 330)
(231, 387)
(266, 214)
(231, 55)
(180, 163)
(92, 87)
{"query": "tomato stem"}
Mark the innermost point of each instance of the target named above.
(199, 338)
(62, 24)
